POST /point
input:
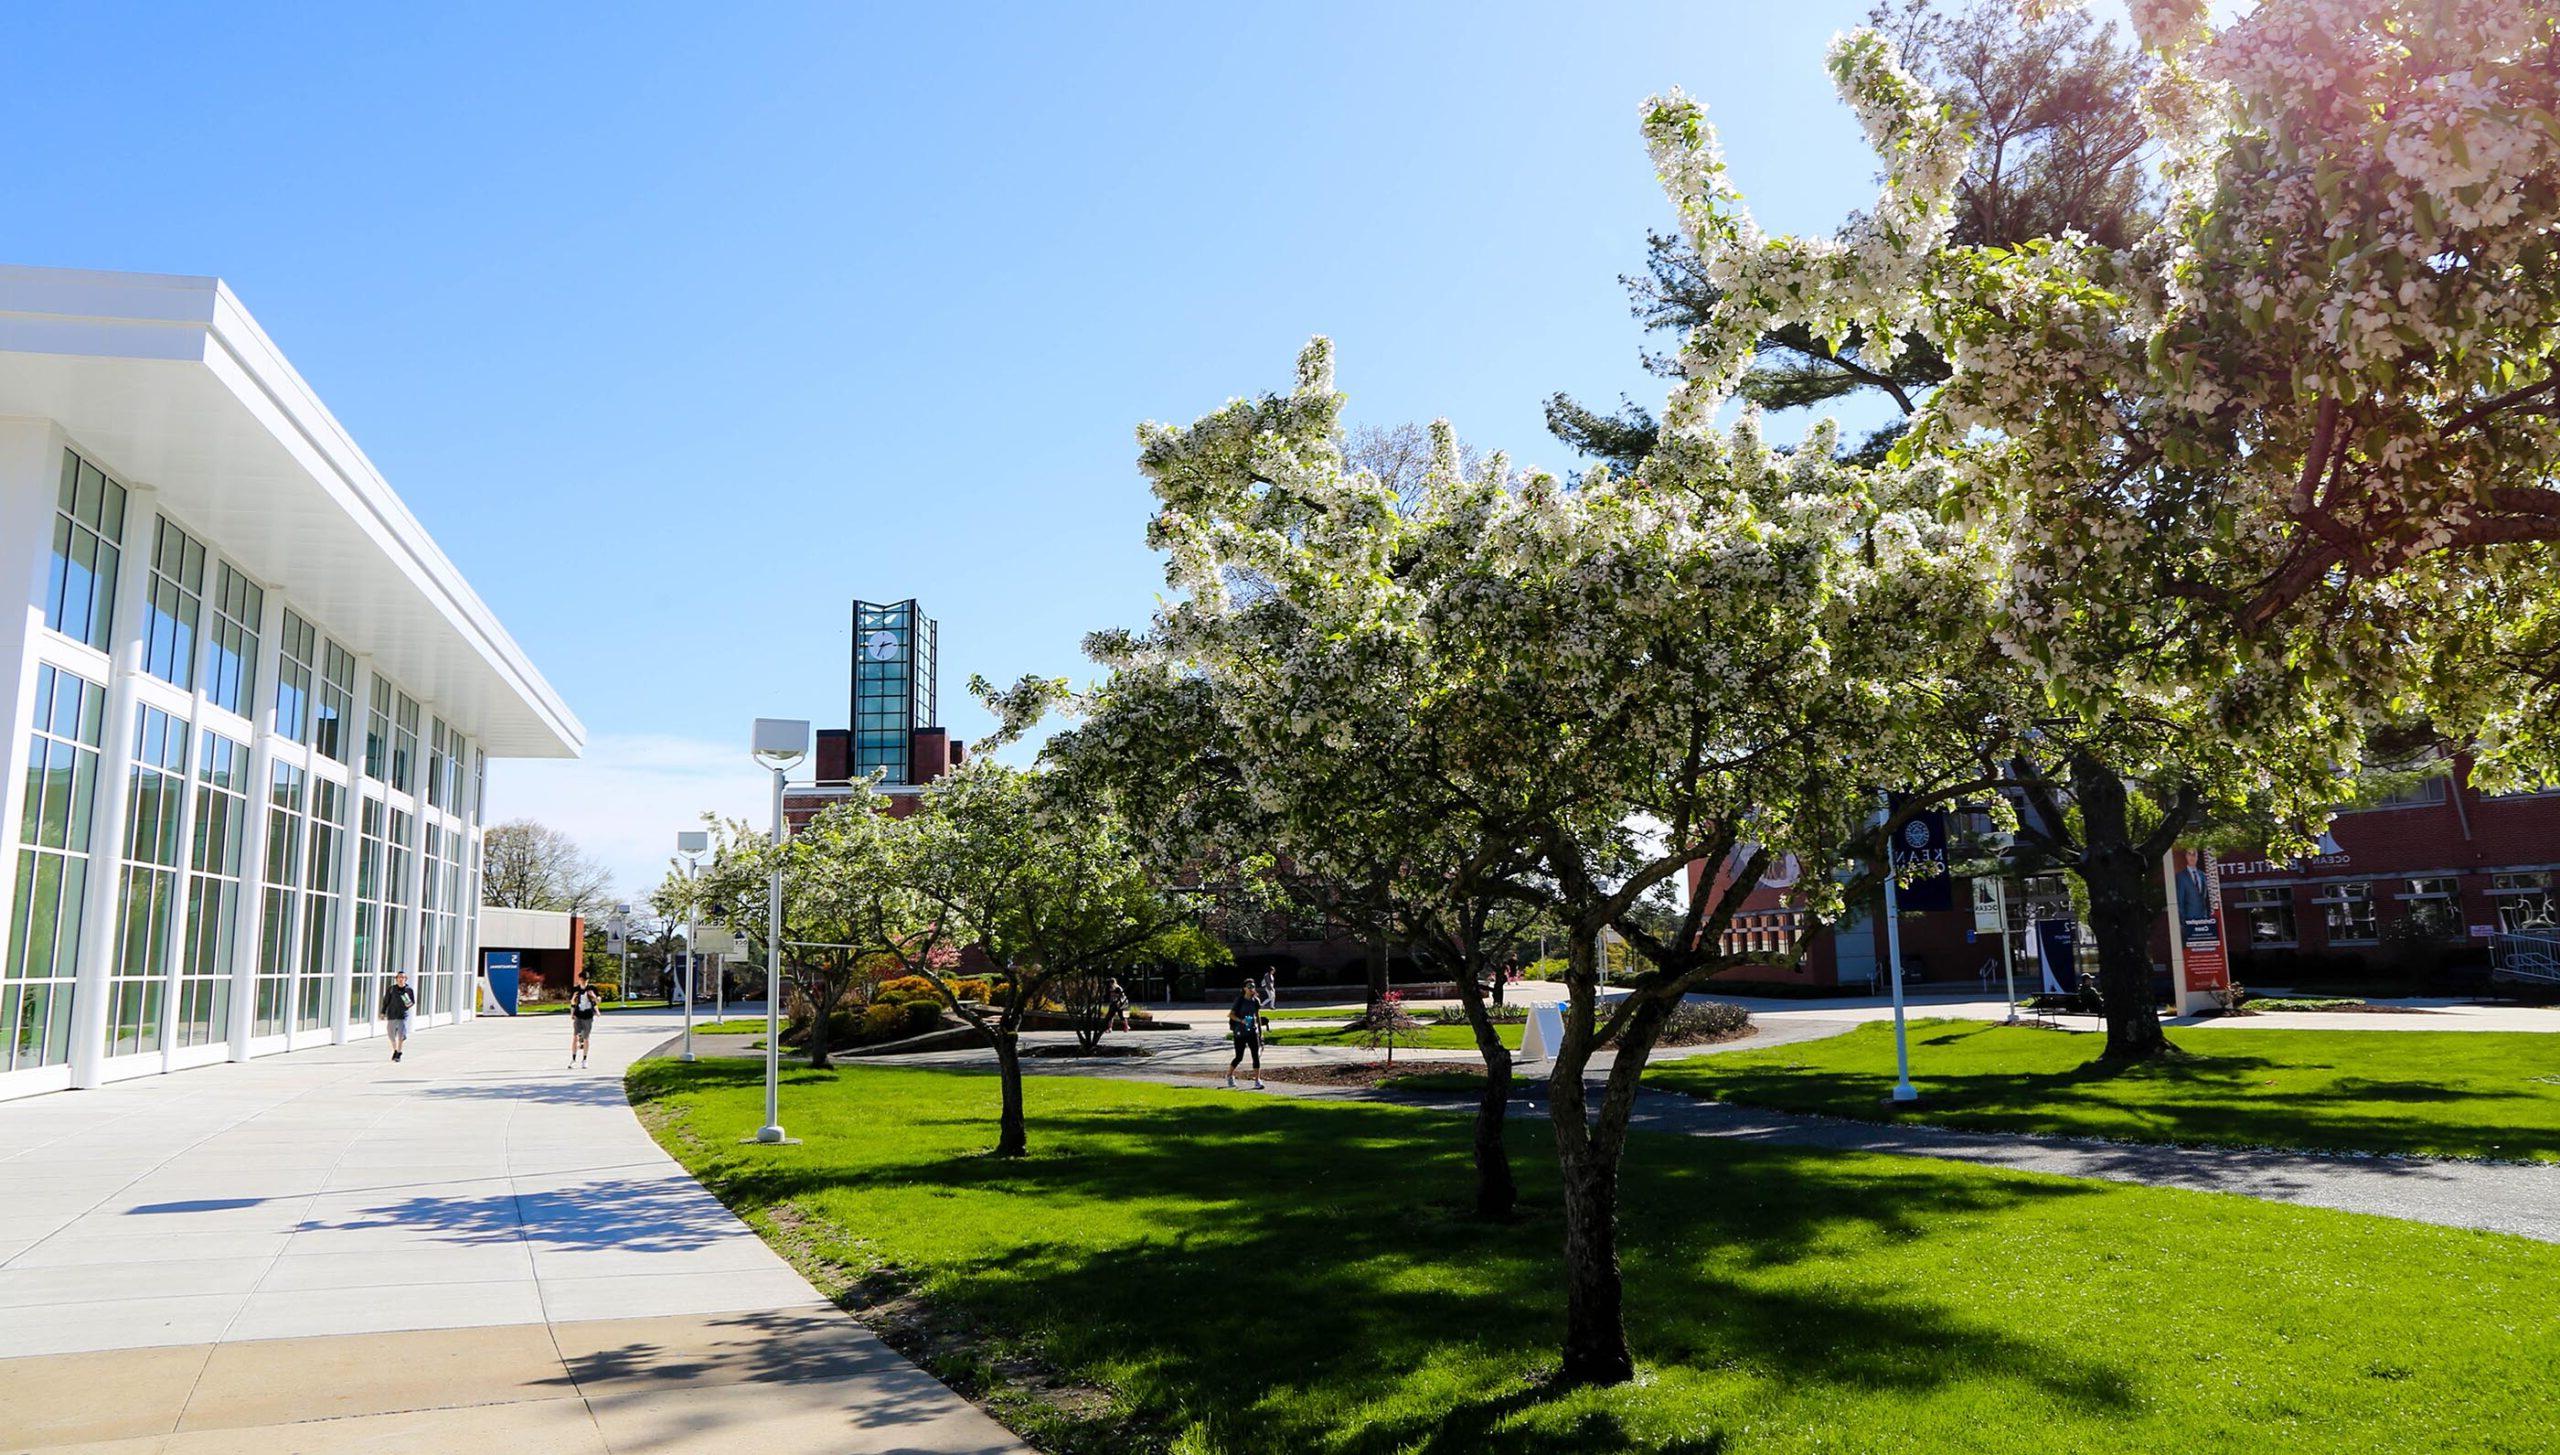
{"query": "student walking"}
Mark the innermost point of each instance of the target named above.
(1119, 1001)
(1270, 988)
(397, 1001)
(1244, 1022)
(584, 1002)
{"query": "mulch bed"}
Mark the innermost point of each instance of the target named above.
(1060, 1053)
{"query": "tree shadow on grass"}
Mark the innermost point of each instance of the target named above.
(1279, 1266)
(2211, 1095)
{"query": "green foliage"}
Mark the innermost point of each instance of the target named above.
(1246, 1275)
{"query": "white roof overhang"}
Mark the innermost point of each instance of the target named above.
(172, 385)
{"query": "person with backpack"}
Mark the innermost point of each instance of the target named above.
(397, 1001)
(1244, 1023)
(584, 1002)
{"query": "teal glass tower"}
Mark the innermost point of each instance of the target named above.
(893, 687)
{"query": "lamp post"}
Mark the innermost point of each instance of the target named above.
(779, 743)
(691, 845)
(1903, 1090)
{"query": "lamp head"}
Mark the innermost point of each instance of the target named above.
(693, 841)
(781, 741)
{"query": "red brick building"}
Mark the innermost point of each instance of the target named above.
(2413, 888)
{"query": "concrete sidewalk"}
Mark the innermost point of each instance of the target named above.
(325, 1252)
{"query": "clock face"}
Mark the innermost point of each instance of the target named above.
(884, 646)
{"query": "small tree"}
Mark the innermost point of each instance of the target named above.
(841, 902)
(1037, 879)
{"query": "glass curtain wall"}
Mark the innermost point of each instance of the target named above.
(284, 878)
(38, 972)
(316, 970)
(173, 613)
(147, 900)
(203, 1014)
(88, 522)
(231, 646)
(431, 921)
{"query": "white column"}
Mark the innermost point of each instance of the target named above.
(253, 840)
(100, 925)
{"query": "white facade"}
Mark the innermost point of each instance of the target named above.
(246, 715)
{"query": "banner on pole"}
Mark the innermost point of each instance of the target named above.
(1921, 845)
(2202, 966)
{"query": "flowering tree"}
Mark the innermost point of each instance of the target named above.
(2283, 435)
(1568, 699)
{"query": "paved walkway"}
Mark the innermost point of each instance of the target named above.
(477, 1247)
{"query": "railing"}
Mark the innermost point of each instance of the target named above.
(2525, 955)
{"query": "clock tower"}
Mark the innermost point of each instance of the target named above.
(893, 687)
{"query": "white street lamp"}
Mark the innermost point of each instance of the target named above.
(779, 743)
(691, 845)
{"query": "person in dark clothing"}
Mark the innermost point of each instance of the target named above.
(584, 1002)
(1244, 1022)
(397, 1001)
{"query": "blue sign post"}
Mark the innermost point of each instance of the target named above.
(504, 970)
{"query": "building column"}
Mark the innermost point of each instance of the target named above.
(100, 924)
(173, 956)
(342, 936)
(253, 839)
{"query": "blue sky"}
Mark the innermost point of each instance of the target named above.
(680, 326)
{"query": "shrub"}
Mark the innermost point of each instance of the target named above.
(1456, 1015)
(1694, 1022)
(904, 990)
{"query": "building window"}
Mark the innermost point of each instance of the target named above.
(88, 527)
(429, 981)
(2268, 914)
(2524, 903)
(321, 891)
(147, 898)
(276, 918)
(174, 611)
(213, 891)
(439, 767)
(2426, 790)
(2434, 907)
(231, 646)
(404, 746)
(2349, 910)
(479, 786)
(294, 672)
(37, 977)
(333, 723)
(377, 732)
(365, 977)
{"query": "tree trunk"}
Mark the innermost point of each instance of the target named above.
(1497, 1194)
(1011, 1139)
(818, 1035)
(1595, 1320)
(2113, 870)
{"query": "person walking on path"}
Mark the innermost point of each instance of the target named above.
(1270, 988)
(584, 1002)
(1119, 1000)
(397, 1001)
(1244, 1022)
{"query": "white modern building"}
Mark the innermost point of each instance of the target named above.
(247, 710)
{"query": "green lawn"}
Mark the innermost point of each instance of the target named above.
(561, 1007)
(2432, 1093)
(1325, 1029)
(1252, 1274)
(750, 1026)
